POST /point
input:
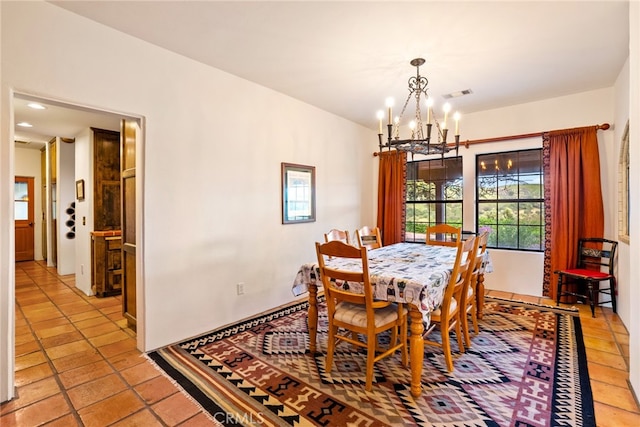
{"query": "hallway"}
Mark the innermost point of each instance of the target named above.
(77, 362)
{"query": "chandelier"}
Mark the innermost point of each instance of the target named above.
(420, 141)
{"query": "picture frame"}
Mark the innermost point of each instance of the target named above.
(298, 193)
(80, 189)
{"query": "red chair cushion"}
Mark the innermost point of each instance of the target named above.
(583, 273)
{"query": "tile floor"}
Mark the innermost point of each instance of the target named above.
(76, 363)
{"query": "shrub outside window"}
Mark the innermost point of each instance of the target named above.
(510, 199)
(434, 196)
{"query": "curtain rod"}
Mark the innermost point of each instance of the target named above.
(468, 142)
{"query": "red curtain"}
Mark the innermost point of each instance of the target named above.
(391, 196)
(574, 204)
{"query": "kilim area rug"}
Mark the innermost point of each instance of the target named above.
(526, 367)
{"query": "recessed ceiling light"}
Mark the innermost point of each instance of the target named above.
(36, 106)
(25, 125)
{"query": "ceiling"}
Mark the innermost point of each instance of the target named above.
(347, 57)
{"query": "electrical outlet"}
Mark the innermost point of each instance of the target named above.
(240, 288)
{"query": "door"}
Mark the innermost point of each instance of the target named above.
(23, 211)
(128, 222)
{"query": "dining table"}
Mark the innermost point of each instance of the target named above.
(412, 273)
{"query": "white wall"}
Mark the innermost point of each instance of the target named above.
(27, 163)
(65, 195)
(634, 157)
(84, 210)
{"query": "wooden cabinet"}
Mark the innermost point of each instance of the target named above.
(106, 266)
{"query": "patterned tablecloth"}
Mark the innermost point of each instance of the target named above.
(405, 272)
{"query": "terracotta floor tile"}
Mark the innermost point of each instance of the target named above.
(156, 389)
(58, 340)
(28, 360)
(68, 349)
(140, 373)
(48, 324)
(76, 360)
(109, 338)
(200, 420)
(606, 374)
(118, 347)
(39, 413)
(620, 397)
(85, 373)
(92, 322)
(605, 358)
(610, 416)
(175, 409)
(76, 307)
(120, 406)
(127, 359)
(27, 348)
(101, 329)
(56, 330)
(602, 345)
(94, 391)
(30, 393)
(66, 421)
(32, 374)
(142, 418)
(85, 315)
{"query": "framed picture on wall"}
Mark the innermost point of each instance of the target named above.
(80, 189)
(298, 193)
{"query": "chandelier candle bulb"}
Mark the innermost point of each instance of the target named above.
(446, 107)
(429, 106)
(380, 117)
(389, 103)
(456, 117)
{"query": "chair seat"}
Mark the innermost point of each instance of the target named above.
(452, 307)
(355, 314)
(583, 273)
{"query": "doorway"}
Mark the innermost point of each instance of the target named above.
(23, 201)
(70, 121)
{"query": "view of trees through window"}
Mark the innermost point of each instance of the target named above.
(510, 199)
(434, 195)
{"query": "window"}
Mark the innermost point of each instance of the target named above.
(510, 200)
(434, 195)
(623, 188)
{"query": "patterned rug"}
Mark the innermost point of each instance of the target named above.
(527, 367)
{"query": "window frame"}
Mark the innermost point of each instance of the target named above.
(446, 203)
(494, 241)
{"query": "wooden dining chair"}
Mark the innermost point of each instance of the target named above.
(335, 234)
(358, 313)
(596, 264)
(443, 235)
(470, 305)
(369, 238)
(447, 316)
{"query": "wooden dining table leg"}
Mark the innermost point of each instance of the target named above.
(480, 296)
(312, 320)
(416, 349)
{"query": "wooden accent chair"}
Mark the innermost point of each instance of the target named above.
(593, 255)
(470, 306)
(359, 313)
(447, 316)
(443, 235)
(369, 237)
(335, 234)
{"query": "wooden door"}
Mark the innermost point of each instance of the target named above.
(128, 222)
(24, 220)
